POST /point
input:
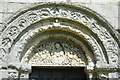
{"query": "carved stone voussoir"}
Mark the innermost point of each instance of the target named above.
(102, 37)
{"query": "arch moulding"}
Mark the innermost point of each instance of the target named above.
(59, 34)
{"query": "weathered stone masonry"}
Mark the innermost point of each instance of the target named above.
(58, 34)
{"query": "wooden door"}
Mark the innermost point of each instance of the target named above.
(58, 74)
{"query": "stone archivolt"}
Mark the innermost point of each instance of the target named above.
(64, 23)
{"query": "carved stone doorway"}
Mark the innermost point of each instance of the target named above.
(59, 34)
(58, 73)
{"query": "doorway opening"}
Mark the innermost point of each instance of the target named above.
(58, 73)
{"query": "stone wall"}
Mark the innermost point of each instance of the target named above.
(105, 34)
(108, 9)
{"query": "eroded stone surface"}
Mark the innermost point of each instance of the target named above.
(65, 23)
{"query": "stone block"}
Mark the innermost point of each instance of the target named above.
(8, 7)
(82, 1)
(109, 11)
(105, 0)
(34, 1)
(1, 17)
(6, 16)
(118, 22)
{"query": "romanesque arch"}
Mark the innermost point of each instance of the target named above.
(71, 34)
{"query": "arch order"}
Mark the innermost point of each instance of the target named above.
(65, 21)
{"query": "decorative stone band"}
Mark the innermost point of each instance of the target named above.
(96, 31)
(61, 35)
(38, 31)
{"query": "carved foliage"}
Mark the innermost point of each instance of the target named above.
(57, 54)
(13, 30)
(63, 12)
(22, 22)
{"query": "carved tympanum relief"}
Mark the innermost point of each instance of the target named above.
(57, 54)
(96, 31)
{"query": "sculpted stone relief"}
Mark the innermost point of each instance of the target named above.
(32, 16)
(2, 27)
(22, 22)
(57, 54)
(20, 44)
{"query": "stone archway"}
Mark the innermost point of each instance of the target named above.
(69, 24)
